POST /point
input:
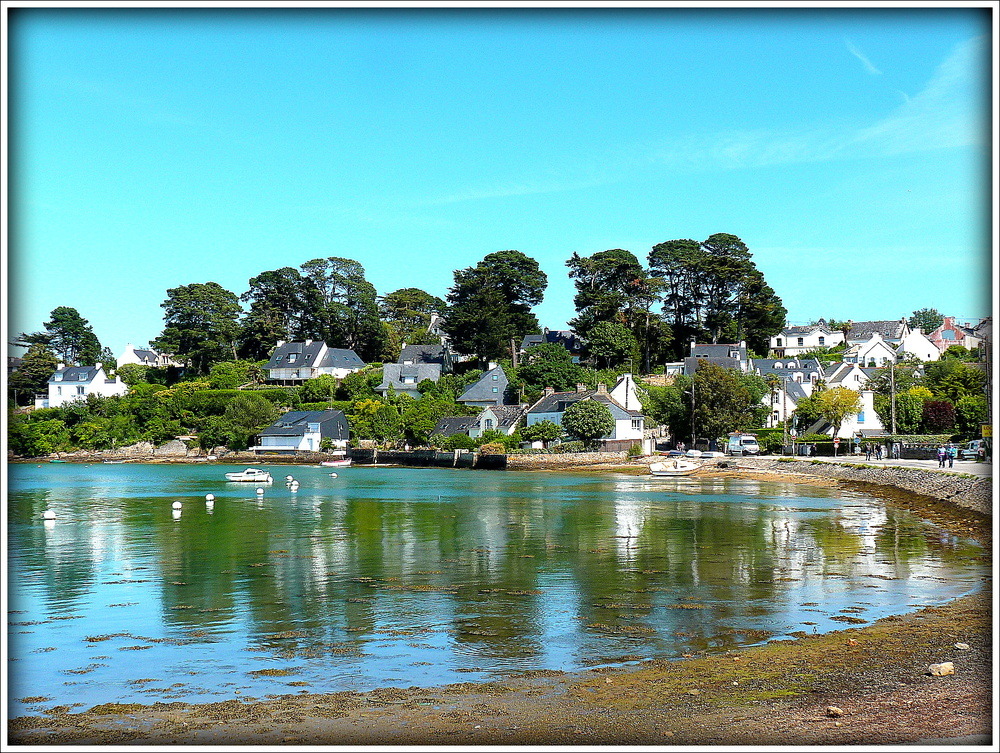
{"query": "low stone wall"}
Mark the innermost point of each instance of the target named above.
(972, 493)
(568, 460)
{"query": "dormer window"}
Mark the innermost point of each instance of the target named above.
(291, 358)
(82, 377)
(495, 378)
(58, 377)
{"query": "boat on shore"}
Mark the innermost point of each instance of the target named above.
(674, 467)
(250, 474)
(343, 463)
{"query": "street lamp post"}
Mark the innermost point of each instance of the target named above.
(892, 392)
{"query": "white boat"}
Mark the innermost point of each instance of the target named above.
(674, 467)
(343, 463)
(250, 474)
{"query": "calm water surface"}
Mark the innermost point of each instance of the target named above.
(401, 576)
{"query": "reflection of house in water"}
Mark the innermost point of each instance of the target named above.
(629, 517)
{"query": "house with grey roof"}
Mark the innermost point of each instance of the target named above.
(71, 383)
(451, 425)
(440, 354)
(404, 377)
(292, 363)
(489, 390)
(564, 338)
(890, 330)
(304, 431)
(145, 357)
(794, 341)
(734, 354)
(629, 422)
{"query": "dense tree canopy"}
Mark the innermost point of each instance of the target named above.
(409, 311)
(713, 291)
(588, 420)
(489, 306)
(926, 319)
(201, 325)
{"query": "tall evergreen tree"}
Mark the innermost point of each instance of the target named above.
(490, 304)
(201, 325)
(68, 335)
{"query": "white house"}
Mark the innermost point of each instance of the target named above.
(629, 422)
(304, 431)
(144, 357)
(404, 377)
(917, 345)
(76, 382)
(794, 341)
(865, 422)
(874, 351)
(294, 362)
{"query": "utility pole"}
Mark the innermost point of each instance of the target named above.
(892, 391)
(784, 413)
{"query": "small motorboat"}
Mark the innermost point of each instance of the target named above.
(342, 463)
(250, 474)
(674, 467)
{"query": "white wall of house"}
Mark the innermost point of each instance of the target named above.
(797, 343)
(65, 391)
(874, 350)
(916, 344)
(866, 419)
(625, 428)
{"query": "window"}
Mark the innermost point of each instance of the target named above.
(79, 390)
(314, 428)
(409, 380)
(489, 424)
(822, 340)
(295, 373)
(799, 341)
(778, 342)
(496, 389)
(636, 423)
(861, 417)
(58, 390)
(496, 377)
(291, 358)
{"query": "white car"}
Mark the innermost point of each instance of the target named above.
(713, 454)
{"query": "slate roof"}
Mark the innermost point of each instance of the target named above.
(564, 337)
(507, 415)
(788, 365)
(718, 350)
(807, 329)
(332, 424)
(311, 355)
(423, 354)
(342, 358)
(557, 402)
(454, 425)
(393, 374)
(74, 374)
(691, 364)
(794, 390)
(889, 329)
(482, 390)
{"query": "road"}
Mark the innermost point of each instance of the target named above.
(972, 467)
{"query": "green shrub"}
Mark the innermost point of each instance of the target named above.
(565, 447)
(635, 450)
(493, 448)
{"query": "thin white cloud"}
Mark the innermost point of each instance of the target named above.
(505, 190)
(863, 58)
(951, 111)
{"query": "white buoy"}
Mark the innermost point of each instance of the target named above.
(49, 515)
(260, 492)
(176, 505)
(209, 497)
(333, 475)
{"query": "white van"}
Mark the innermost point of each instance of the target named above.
(742, 444)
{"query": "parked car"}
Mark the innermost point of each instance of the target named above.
(971, 450)
(742, 444)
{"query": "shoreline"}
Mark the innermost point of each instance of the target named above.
(775, 693)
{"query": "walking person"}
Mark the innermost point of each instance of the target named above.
(878, 452)
(941, 453)
(952, 452)
(868, 450)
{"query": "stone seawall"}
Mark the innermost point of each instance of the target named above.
(971, 492)
(581, 460)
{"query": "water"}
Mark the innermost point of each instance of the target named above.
(416, 577)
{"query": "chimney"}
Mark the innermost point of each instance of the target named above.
(545, 330)
(490, 365)
(581, 387)
(549, 391)
(309, 342)
(60, 366)
(279, 343)
(743, 344)
(693, 344)
(602, 388)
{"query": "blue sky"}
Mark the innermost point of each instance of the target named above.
(848, 148)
